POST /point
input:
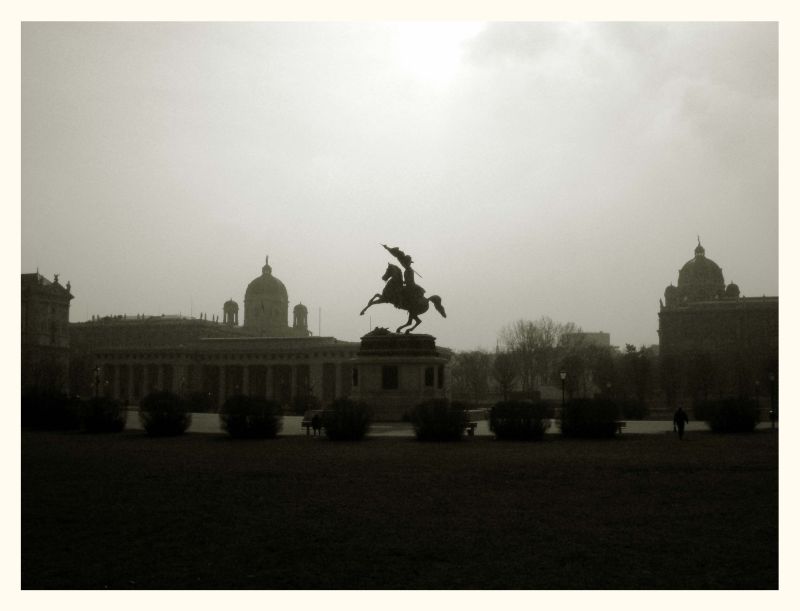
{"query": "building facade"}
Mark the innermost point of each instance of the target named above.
(44, 333)
(712, 341)
(126, 358)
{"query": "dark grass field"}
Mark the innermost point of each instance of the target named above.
(204, 511)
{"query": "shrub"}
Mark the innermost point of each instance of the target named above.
(633, 409)
(439, 420)
(346, 420)
(728, 415)
(50, 411)
(520, 420)
(589, 418)
(251, 417)
(200, 402)
(164, 413)
(103, 415)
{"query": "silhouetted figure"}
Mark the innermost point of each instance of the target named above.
(403, 292)
(316, 424)
(679, 421)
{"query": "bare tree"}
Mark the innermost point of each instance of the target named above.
(470, 374)
(504, 372)
(535, 348)
(637, 369)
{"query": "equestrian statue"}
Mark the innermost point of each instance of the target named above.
(403, 292)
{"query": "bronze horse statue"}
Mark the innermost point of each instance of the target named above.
(409, 298)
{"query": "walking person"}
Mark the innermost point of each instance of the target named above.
(679, 421)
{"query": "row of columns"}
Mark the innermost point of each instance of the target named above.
(183, 381)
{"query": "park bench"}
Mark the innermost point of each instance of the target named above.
(309, 421)
(620, 425)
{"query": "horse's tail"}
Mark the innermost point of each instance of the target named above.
(437, 303)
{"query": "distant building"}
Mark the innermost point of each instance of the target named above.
(45, 333)
(584, 338)
(712, 341)
(264, 357)
(266, 308)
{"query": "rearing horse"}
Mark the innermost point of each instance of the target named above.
(409, 298)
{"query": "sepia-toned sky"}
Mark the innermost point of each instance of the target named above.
(530, 169)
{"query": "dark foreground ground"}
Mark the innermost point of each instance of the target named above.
(204, 511)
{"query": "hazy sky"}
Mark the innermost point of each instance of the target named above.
(559, 169)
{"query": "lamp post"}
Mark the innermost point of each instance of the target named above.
(96, 381)
(563, 375)
(773, 412)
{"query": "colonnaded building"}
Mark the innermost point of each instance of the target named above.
(265, 356)
(127, 357)
(713, 342)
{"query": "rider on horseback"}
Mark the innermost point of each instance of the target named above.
(403, 292)
(412, 292)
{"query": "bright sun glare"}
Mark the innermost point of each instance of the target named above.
(431, 51)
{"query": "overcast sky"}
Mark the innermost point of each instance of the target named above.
(530, 169)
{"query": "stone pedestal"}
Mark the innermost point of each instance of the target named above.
(393, 372)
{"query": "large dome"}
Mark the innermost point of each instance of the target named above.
(266, 286)
(700, 279)
(266, 304)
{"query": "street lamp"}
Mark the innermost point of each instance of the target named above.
(563, 375)
(96, 380)
(773, 412)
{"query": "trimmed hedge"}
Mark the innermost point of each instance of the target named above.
(633, 409)
(103, 415)
(439, 420)
(346, 420)
(246, 417)
(728, 415)
(50, 411)
(520, 420)
(164, 413)
(589, 418)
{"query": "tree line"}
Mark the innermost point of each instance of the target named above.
(531, 354)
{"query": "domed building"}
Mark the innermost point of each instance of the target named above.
(264, 357)
(700, 279)
(266, 307)
(713, 341)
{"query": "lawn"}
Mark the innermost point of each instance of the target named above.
(204, 511)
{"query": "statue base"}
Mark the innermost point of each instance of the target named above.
(393, 372)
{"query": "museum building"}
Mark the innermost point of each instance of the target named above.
(129, 357)
(126, 358)
(712, 341)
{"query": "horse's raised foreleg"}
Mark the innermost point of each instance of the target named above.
(376, 298)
